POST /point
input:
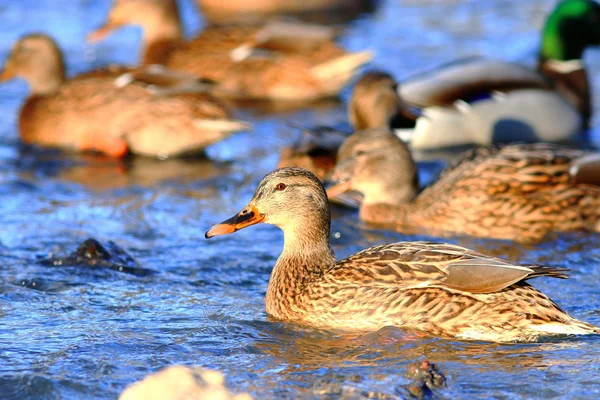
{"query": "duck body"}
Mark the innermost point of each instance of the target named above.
(93, 114)
(90, 112)
(516, 192)
(283, 61)
(483, 101)
(408, 284)
(277, 73)
(435, 288)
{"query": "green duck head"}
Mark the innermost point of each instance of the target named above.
(570, 28)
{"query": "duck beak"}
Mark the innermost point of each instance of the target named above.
(102, 32)
(338, 189)
(6, 75)
(248, 216)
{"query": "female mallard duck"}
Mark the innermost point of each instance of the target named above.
(517, 192)
(479, 101)
(90, 113)
(439, 289)
(288, 61)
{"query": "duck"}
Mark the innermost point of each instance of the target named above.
(277, 61)
(480, 101)
(90, 113)
(432, 288)
(516, 192)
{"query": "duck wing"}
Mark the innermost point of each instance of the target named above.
(467, 79)
(523, 168)
(427, 264)
(586, 170)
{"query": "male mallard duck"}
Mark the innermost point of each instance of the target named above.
(440, 289)
(289, 61)
(517, 192)
(90, 113)
(479, 101)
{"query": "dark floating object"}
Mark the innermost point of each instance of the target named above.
(427, 379)
(91, 253)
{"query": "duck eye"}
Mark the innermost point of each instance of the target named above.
(280, 186)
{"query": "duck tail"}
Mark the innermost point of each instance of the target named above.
(571, 327)
(222, 125)
(341, 68)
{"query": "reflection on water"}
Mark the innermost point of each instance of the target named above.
(78, 332)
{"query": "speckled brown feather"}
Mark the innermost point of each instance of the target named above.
(518, 192)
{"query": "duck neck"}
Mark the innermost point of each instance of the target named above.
(388, 213)
(394, 194)
(161, 39)
(47, 80)
(306, 255)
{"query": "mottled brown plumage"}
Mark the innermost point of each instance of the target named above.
(279, 61)
(90, 112)
(516, 192)
(440, 289)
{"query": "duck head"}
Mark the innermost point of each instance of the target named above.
(159, 19)
(37, 59)
(292, 199)
(572, 26)
(375, 103)
(377, 164)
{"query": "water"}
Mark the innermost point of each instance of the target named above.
(77, 332)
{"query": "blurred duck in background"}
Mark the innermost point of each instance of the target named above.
(90, 113)
(517, 192)
(248, 11)
(480, 101)
(280, 60)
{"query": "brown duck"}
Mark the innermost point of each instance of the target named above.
(287, 61)
(517, 192)
(90, 112)
(440, 289)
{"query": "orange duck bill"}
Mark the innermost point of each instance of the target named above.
(6, 75)
(102, 32)
(338, 188)
(248, 216)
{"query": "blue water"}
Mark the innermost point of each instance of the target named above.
(79, 332)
